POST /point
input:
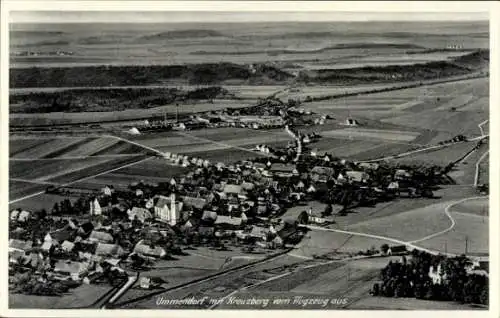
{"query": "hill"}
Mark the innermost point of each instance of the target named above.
(181, 34)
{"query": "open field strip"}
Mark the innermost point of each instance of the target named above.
(45, 148)
(225, 145)
(79, 180)
(77, 157)
(34, 181)
(372, 133)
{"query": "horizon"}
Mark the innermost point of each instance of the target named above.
(170, 17)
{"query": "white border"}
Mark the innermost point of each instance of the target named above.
(301, 6)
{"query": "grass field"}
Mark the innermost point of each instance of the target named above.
(441, 156)
(81, 296)
(410, 225)
(470, 235)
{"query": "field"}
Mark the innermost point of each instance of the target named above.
(80, 297)
(469, 236)
(440, 156)
(426, 107)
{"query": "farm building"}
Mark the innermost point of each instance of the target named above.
(113, 250)
(142, 249)
(75, 270)
(322, 174)
(351, 122)
(101, 237)
(140, 214)
(283, 170)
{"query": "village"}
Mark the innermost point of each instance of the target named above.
(258, 206)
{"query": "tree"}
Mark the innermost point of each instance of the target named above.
(376, 289)
(56, 209)
(384, 248)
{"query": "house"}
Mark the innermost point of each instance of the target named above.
(369, 165)
(206, 231)
(437, 275)
(351, 122)
(95, 207)
(167, 209)
(233, 189)
(85, 228)
(69, 269)
(19, 247)
(142, 249)
(112, 250)
(283, 170)
(67, 246)
(209, 216)
(357, 176)
(107, 191)
(101, 237)
(14, 214)
(23, 216)
(322, 174)
(140, 214)
(397, 250)
(61, 235)
(401, 174)
(193, 202)
(224, 220)
(259, 232)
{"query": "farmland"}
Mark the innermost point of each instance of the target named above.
(70, 115)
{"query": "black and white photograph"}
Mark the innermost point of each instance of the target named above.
(248, 160)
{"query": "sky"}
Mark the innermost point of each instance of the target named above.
(235, 16)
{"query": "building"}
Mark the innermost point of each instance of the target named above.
(322, 174)
(140, 214)
(68, 269)
(224, 220)
(351, 122)
(95, 207)
(143, 249)
(167, 209)
(283, 170)
(101, 237)
(111, 250)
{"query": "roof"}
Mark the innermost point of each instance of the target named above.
(259, 231)
(161, 201)
(232, 188)
(143, 249)
(67, 246)
(101, 236)
(281, 167)
(198, 203)
(61, 235)
(323, 170)
(224, 219)
(70, 267)
(141, 213)
(20, 244)
(207, 215)
(247, 185)
(109, 249)
(356, 175)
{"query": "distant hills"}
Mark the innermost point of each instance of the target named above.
(218, 73)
